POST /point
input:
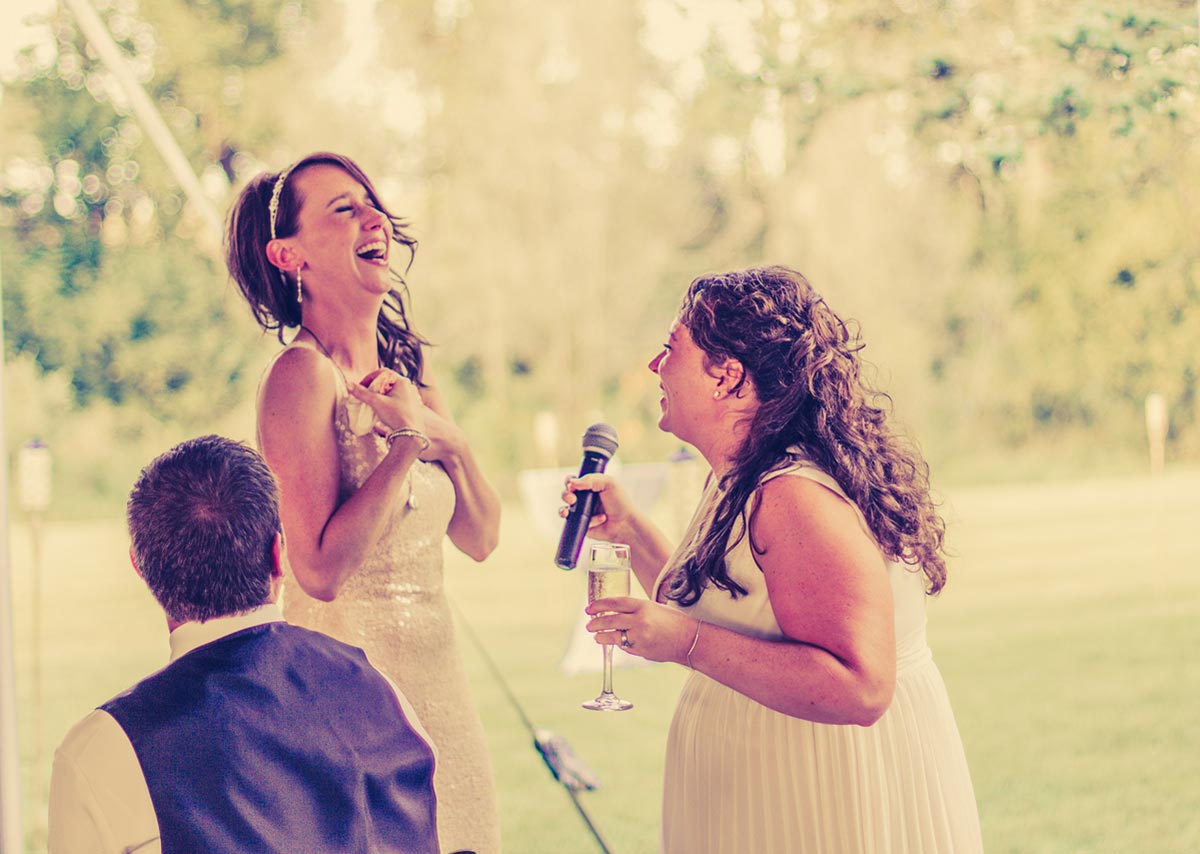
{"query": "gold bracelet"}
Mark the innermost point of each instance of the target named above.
(410, 432)
(692, 649)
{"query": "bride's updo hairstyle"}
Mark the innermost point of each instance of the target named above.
(268, 207)
(803, 363)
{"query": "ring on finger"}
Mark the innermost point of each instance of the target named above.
(626, 643)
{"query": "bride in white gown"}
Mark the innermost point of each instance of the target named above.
(815, 719)
(372, 478)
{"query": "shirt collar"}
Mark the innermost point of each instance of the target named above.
(191, 635)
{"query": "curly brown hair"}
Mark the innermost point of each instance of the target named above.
(803, 362)
(269, 292)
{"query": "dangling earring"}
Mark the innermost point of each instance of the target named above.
(299, 286)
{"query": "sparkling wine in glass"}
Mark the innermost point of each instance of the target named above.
(608, 575)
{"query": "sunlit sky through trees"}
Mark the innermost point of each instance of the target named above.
(673, 32)
(998, 192)
(15, 34)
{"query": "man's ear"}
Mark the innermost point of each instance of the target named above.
(133, 560)
(282, 254)
(277, 556)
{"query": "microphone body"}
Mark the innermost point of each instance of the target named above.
(599, 444)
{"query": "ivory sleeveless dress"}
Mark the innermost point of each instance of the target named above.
(395, 609)
(744, 779)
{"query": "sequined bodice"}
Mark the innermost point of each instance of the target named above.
(413, 537)
(397, 593)
(394, 607)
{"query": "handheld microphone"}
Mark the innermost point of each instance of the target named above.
(599, 444)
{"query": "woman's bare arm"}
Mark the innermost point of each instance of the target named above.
(475, 526)
(831, 596)
(327, 542)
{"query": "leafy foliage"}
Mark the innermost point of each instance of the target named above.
(110, 279)
(1071, 132)
(1000, 193)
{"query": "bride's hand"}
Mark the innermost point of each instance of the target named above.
(400, 407)
(446, 439)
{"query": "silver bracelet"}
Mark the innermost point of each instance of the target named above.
(692, 649)
(409, 431)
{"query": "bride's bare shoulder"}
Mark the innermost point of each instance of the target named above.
(297, 373)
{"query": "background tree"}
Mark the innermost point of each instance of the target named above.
(111, 283)
(999, 194)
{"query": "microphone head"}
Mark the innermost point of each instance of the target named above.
(601, 439)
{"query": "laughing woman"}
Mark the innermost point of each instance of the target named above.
(372, 470)
(814, 719)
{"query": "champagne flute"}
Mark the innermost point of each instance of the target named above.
(608, 575)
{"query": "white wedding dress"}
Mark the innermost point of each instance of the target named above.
(395, 608)
(743, 779)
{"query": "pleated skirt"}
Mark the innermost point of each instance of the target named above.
(743, 779)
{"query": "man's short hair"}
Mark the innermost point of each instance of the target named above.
(203, 518)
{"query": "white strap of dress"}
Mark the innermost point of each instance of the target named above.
(800, 467)
(339, 378)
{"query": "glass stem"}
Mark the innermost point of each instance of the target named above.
(608, 654)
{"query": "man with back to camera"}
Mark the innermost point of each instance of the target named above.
(258, 735)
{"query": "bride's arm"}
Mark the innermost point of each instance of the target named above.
(475, 526)
(326, 542)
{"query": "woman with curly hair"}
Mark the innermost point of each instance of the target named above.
(814, 719)
(373, 472)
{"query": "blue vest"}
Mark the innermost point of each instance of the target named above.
(278, 739)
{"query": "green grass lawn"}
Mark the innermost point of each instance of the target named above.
(1069, 637)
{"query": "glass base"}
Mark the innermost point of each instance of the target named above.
(607, 702)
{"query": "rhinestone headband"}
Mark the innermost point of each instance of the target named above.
(273, 208)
